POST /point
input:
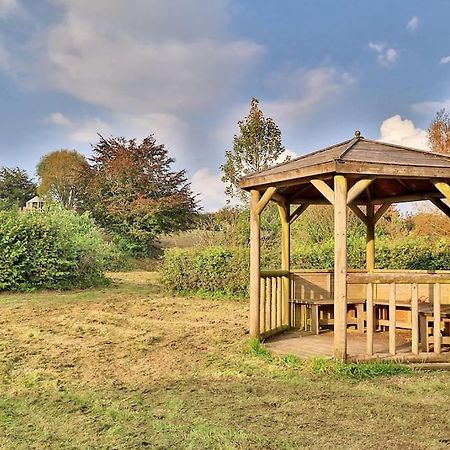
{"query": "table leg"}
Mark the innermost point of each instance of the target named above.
(423, 332)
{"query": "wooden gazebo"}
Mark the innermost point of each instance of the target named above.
(366, 177)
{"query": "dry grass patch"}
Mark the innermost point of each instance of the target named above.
(128, 367)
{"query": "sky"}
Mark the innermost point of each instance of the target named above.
(186, 70)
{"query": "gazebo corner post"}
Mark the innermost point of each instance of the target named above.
(284, 210)
(340, 267)
(370, 238)
(255, 270)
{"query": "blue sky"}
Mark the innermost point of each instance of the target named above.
(187, 69)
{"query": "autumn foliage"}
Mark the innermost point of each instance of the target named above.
(133, 192)
(439, 133)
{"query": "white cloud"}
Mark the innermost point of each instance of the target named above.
(210, 188)
(412, 24)
(87, 131)
(430, 107)
(156, 56)
(58, 118)
(445, 60)
(386, 56)
(83, 131)
(286, 154)
(9, 7)
(396, 130)
(304, 92)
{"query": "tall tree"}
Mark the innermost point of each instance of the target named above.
(134, 193)
(439, 133)
(61, 176)
(257, 146)
(16, 187)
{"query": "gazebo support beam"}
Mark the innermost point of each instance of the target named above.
(255, 251)
(381, 210)
(283, 209)
(264, 200)
(441, 205)
(370, 240)
(324, 189)
(340, 267)
(297, 213)
(358, 213)
(443, 188)
(357, 189)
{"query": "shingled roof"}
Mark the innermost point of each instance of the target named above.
(398, 170)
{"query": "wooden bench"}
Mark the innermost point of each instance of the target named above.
(314, 305)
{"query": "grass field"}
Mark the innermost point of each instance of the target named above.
(128, 367)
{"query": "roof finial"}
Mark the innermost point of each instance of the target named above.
(357, 134)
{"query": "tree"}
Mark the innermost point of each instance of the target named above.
(257, 146)
(61, 176)
(16, 187)
(439, 133)
(133, 192)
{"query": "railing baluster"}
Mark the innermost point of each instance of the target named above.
(268, 302)
(262, 305)
(369, 317)
(415, 318)
(392, 319)
(273, 321)
(279, 302)
(437, 318)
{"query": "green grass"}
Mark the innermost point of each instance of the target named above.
(128, 367)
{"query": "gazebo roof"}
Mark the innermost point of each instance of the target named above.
(397, 171)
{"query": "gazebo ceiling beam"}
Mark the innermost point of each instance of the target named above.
(262, 203)
(324, 189)
(406, 198)
(441, 205)
(357, 189)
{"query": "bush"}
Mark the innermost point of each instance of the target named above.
(213, 271)
(54, 249)
(219, 271)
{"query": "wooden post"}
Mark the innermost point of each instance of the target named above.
(340, 267)
(415, 318)
(437, 339)
(370, 239)
(255, 251)
(392, 318)
(370, 321)
(283, 209)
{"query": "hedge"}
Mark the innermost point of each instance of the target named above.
(53, 249)
(220, 271)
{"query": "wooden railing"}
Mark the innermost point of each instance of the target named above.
(421, 312)
(273, 302)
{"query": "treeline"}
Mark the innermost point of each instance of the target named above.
(98, 212)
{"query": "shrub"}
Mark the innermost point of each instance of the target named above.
(54, 249)
(214, 271)
(218, 271)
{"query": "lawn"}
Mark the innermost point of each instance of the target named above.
(128, 367)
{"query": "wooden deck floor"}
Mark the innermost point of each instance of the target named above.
(306, 345)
